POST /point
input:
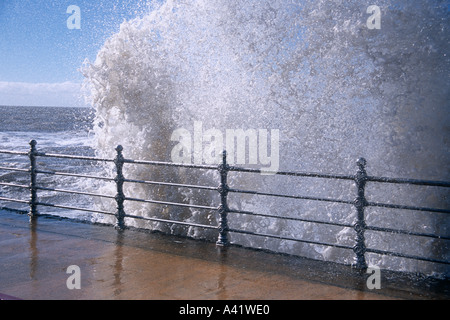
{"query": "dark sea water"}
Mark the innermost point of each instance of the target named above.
(45, 119)
(51, 127)
(57, 130)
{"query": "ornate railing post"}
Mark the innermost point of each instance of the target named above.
(360, 224)
(223, 208)
(120, 196)
(33, 191)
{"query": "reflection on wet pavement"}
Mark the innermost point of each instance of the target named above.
(133, 264)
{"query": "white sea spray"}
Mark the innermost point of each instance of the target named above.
(335, 89)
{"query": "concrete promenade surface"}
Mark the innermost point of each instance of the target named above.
(134, 264)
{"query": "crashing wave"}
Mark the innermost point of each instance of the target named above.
(335, 89)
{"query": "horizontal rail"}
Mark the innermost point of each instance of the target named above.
(76, 192)
(240, 169)
(14, 200)
(15, 169)
(22, 153)
(74, 208)
(402, 255)
(409, 233)
(8, 184)
(291, 218)
(171, 164)
(410, 181)
(295, 173)
(159, 183)
(172, 203)
(290, 197)
(370, 204)
(72, 157)
(280, 237)
(190, 224)
(57, 173)
(397, 206)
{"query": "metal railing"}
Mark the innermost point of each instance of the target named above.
(361, 178)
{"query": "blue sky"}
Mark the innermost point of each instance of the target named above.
(40, 56)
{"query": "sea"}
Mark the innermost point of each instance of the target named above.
(61, 130)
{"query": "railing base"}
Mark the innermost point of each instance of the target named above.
(222, 243)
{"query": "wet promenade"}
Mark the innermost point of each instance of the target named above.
(141, 265)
